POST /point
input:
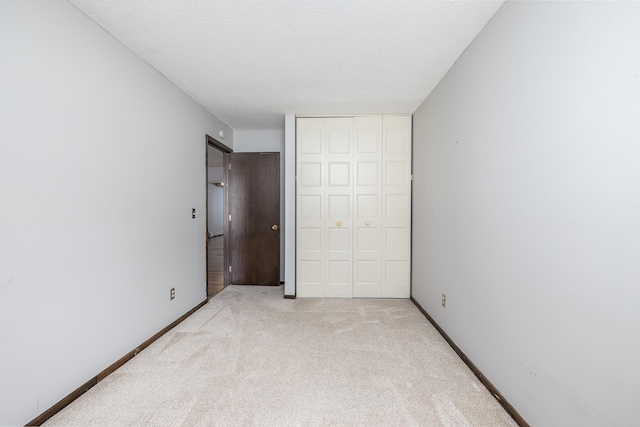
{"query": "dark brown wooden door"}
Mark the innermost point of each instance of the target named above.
(253, 200)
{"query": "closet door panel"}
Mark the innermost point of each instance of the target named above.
(368, 207)
(396, 194)
(338, 195)
(310, 208)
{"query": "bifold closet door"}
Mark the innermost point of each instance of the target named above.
(324, 207)
(353, 206)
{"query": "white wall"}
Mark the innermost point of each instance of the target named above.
(215, 199)
(290, 203)
(527, 209)
(255, 141)
(101, 162)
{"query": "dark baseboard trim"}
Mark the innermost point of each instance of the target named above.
(40, 419)
(484, 380)
(289, 296)
(254, 284)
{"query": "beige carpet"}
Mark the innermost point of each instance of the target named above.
(251, 357)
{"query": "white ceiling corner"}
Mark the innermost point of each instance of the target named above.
(249, 62)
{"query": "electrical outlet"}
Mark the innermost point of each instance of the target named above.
(173, 293)
(444, 300)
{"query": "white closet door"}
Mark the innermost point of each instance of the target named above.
(368, 207)
(396, 194)
(353, 205)
(310, 209)
(339, 212)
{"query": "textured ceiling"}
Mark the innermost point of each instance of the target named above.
(250, 61)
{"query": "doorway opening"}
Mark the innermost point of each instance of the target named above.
(216, 210)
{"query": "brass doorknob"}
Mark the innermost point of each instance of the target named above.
(274, 227)
(367, 223)
(339, 223)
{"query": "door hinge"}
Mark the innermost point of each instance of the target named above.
(229, 269)
(229, 166)
(229, 217)
(411, 178)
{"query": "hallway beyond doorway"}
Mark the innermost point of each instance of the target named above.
(215, 273)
